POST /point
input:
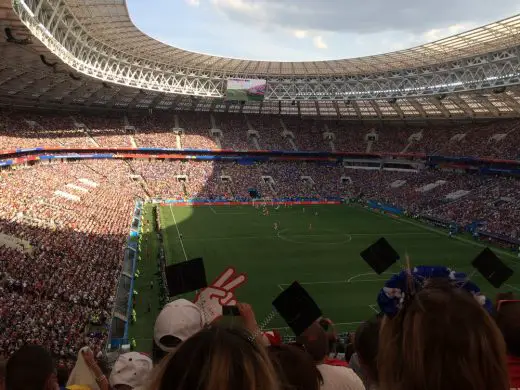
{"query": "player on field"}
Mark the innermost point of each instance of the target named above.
(310, 226)
(275, 226)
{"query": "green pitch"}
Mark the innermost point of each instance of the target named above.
(318, 247)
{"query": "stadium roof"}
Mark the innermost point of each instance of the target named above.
(31, 75)
(109, 22)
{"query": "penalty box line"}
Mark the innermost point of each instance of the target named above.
(352, 279)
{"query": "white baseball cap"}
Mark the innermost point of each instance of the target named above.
(180, 318)
(131, 369)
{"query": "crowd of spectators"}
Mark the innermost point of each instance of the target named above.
(415, 347)
(72, 218)
(495, 139)
(46, 290)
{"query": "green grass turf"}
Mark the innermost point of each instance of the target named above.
(325, 259)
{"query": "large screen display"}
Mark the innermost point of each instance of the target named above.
(246, 89)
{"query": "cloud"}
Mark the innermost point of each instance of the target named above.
(297, 30)
(365, 17)
(318, 42)
(300, 34)
(439, 33)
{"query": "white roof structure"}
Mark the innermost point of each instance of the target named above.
(85, 54)
(109, 22)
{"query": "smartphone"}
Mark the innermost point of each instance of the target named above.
(228, 310)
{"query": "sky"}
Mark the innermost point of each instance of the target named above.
(310, 30)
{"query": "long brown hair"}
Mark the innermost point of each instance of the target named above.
(217, 358)
(295, 367)
(442, 339)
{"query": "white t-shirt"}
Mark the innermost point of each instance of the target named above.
(339, 378)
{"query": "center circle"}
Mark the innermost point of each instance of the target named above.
(319, 236)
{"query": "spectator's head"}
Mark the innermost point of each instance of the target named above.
(296, 369)
(441, 339)
(328, 327)
(31, 367)
(177, 321)
(218, 358)
(130, 370)
(503, 296)
(315, 341)
(366, 344)
(508, 320)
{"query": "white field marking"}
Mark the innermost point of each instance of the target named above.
(276, 237)
(349, 280)
(346, 238)
(337, 282)
(312, 283)
(513, 287)
(367, 273)
(374, 308)
(226, 213)
(442, 233)
(178, 233)
(368, 280)
(335, 323)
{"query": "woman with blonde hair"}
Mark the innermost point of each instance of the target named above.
(441, 339)
(217, 358)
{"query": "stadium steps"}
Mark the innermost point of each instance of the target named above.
(132, 141)
(15, 243)
(408, 146)
(248, 123)
(480, 190)
(255, 142)
(369, 146)
(142, 181)
(292, 144)
(121, 316)
(83, 127)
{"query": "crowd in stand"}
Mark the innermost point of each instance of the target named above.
(54, 248)
(64, 225)
(498, 139)
(415, 347)
(70, 219)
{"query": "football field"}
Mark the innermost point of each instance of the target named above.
(318, 246)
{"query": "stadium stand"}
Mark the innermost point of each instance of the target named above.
(79, 155)
(495, 139)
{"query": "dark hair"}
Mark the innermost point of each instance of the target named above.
(157, 352)
(315, 341)
(508, 321)
(29, 368)
(366, 344)
(62, 376)
(442, 339)
(296, 369)
(217, 358)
